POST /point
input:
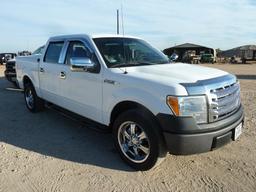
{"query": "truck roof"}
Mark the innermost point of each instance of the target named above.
(63, 37)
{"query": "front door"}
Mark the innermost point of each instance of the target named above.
(81, 91)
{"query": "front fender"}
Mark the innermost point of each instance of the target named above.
(151, 102)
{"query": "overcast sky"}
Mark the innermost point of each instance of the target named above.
(27, 24)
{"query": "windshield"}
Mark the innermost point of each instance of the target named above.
(127, 52)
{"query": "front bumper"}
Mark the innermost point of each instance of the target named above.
(183, 136)
(10, 76)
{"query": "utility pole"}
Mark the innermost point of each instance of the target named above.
(117, 21)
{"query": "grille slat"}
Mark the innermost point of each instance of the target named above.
(224, 92)
(226, 109)
(228, 100)
(223, 101)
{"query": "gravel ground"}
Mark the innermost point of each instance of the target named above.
(49, 152)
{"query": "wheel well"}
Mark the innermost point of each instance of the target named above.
(26, 80)
(125, 106)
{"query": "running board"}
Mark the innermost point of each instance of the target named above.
(78, 118)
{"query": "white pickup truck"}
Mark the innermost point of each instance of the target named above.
(152, 106)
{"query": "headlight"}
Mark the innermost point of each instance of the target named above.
(189, 106)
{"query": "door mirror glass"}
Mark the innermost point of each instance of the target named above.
(80, 64)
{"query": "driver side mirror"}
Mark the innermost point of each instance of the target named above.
(81, 64)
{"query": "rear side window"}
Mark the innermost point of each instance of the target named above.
(38, 51)
(53, 52)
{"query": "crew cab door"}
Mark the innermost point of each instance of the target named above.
(50, 72)
(81, 90)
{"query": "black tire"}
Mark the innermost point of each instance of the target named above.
(146, 122)
(37, 104)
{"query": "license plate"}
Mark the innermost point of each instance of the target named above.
(238, 131)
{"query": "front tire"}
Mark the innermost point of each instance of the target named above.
(33, 102)
(138, 139)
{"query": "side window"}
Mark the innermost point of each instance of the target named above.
(38, 51)
(76, 49)
(53, 52)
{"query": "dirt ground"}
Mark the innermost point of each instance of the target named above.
(48, 152)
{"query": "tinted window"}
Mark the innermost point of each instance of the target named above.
(38, 51)
(118, 52)
(76, 49)
(53, 52)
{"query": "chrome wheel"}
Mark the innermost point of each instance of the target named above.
(29, 98)
(133, 142)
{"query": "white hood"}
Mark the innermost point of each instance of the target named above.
(174, 73)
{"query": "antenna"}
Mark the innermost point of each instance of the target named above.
(117, 21)
(122, 14)
(117, 31)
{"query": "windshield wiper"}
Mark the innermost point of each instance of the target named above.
(132, 64)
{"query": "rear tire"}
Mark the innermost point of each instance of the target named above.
(138, 139)
(33, 102)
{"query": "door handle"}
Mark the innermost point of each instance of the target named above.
(41, 69)
(62, 75)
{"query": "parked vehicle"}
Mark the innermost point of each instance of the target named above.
(4, 57)
(235, 60)
(124, 84)
(10, 72)
(207, 58)
(10, 67)
(173, 57)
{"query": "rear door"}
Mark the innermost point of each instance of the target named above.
(50, 72)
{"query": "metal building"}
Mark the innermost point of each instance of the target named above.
(188, 51)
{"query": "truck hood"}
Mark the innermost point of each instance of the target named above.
(174, 73)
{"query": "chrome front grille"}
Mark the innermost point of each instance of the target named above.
(223, 101)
